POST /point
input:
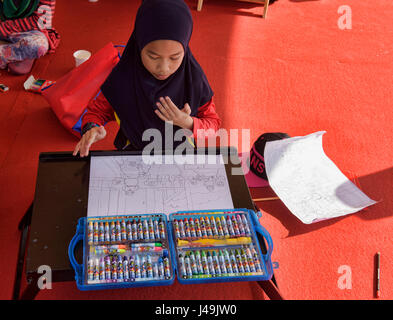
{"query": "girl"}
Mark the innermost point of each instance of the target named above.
(156, 81)
(25, 27)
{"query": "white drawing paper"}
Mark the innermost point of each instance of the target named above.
(308, 182)
(121, 185)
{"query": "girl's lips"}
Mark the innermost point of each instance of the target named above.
(161, 77)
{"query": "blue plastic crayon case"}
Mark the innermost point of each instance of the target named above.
(219, 246)
(123, 251)
(148, 250)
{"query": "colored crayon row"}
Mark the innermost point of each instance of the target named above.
(199, 264)
(125, 229)
(212, 226)
(123, 248)
(118, 268)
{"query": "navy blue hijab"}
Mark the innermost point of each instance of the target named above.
(133, 91)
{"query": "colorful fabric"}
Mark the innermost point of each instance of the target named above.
(40, 20)
(22, 46)
(14, 9)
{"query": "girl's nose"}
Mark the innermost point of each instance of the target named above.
(164, 68)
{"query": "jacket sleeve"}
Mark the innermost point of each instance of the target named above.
(207, 121)
(99, 111)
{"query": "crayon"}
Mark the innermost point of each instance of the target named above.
(219, 227)
(126, 271)
(161, 267)
(187, 263)
(245, 261)
(208, 227)
(206, 242)
(238, 260)
(90, 270)
(210, 264)
(113, 231)
(101, 232)
(233, 262)
(187, 228)
(240, 224)
(167, 267)
(216, 264)
(198, 228)
(137, 267)
(156, 274)
(224, 227)
(176, 228)
(140, 230)
(120, 271)
(151, 229)
(228, 264)
(107, 232)
(161, 228)
(194, 266)
(235, 226)
(181, 229)
(98, 251)
(203, 227)
(213, 226)
(108, 274)
(128, 230)
(156, 229)
(118, 231)
(96, 270)
(204, 264)
(256, 260)
(134, 229)
(123, 230)
(198, 261)
(230, 226)
(250, 260)
(143, 267)
(145, 230)
(131, 267)
(102, 269)
(182, 266)
(149, 267)
(245, 224)
(114, 269)
(95, 232)
(150, 244)
(192, 227)
(90, 231)
(222, 263)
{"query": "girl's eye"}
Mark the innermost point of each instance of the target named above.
(153, 58)
(174, 59)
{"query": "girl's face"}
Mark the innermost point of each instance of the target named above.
(162, 57)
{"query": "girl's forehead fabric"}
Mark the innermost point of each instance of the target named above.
(163, 20)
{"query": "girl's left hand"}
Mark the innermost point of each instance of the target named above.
(168, 111)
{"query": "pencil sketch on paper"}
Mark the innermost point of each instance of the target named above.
(308, 182)
(126, 185)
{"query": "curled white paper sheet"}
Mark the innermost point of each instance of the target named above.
(308, 182)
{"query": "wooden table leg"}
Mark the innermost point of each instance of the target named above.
(199, 6)
(266, 5)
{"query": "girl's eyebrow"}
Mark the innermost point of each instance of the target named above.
(156, 54)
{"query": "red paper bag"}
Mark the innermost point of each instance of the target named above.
(70, 95)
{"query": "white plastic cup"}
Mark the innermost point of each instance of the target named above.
(81, 56)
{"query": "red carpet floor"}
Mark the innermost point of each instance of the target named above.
(296, 72)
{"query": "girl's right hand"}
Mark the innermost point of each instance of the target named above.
(93, 135)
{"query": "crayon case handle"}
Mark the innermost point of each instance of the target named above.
(71, 250)
(264, 233)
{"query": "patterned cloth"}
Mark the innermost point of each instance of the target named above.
(22, 46)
